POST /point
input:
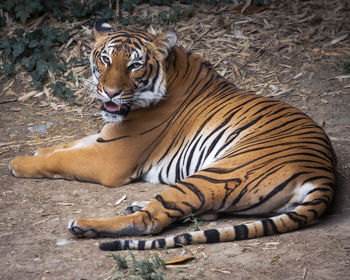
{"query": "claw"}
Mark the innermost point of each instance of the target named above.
(11, 170)
(80, 232)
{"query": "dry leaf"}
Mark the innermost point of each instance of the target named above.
(220, 270)
(336, 40)
(178, 260)
(65, 204)
(27, 95)
(120, 200)
(40, 222)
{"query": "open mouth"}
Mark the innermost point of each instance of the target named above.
(113, 108)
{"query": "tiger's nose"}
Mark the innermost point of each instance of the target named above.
(112, 92)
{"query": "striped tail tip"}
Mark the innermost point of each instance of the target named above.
(161, 243)
(120, 245)
(112, 246)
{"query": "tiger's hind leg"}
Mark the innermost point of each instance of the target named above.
(192, 196)
(312, 201)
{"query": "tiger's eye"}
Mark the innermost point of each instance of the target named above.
(135, 66)
(105, 60)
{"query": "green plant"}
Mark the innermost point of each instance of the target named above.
(34, 52)
(23, 10)
(195, 225)
(120, 261)
(149, 269)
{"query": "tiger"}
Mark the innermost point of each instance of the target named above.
(171, 118)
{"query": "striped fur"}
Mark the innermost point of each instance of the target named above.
(174, 120)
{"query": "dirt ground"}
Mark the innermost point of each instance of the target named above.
(290, 52)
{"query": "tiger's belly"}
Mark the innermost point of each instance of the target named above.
(191, 156)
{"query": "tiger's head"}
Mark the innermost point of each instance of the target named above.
(128, 69)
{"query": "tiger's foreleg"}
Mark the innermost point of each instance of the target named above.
(85, 160)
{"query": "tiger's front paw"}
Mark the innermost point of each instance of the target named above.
(24, 167)
(82, 228)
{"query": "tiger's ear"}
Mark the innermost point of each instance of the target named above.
(165, 42)
(102, 27)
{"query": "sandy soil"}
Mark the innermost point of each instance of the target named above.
(34, 241)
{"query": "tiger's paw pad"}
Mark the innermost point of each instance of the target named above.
(135, 206)
(78, 231)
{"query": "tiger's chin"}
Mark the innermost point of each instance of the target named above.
(113, 113)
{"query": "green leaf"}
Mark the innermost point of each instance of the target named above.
(80, 10)
(2, 21)
(106, 13)
(5, 44)
(33, 44)
(188, 12)
(28, 64)
(35, 5)
(37, 84)
(9, 68)
(23, 12)
(42, 67)
(162, 17)
(18, 49)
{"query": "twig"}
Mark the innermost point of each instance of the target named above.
(305, 272)
(8, 100)
(335, 41)
(40, 222)
(117, 8)
(245, 6)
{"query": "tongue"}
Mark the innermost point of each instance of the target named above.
(111, 107)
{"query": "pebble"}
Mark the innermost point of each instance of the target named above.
(63, 242)
(40, 127)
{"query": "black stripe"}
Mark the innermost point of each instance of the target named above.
(190, 155)
(101, 140)
(111, 246)
(182, 239)
(141, 245)
(214, 143)
(178, 188)
(241, 232)
(169, 205)
(269, 222)
(197, 192)
(276, 190)
(212, 235)
(161, 243)
(316, 202)
(299, 219)
(314, 212)
(319, 189)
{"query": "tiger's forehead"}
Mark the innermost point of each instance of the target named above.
(126, 41)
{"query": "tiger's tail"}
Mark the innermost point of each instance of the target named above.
(310, 208)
